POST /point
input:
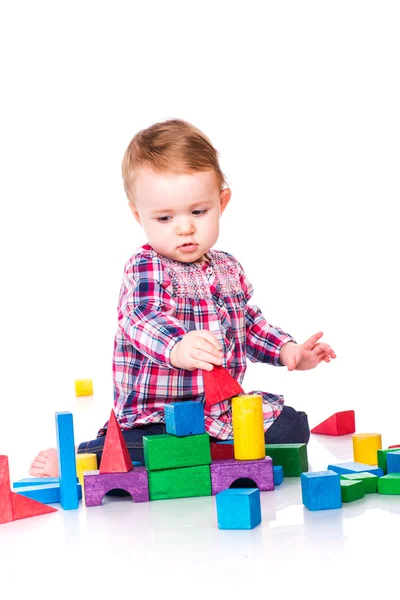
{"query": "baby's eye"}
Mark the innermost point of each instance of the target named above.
(163, 219)
(199, 212)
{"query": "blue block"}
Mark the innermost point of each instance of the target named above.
(238, 508)
(184, 418)
(225, 442)
(321, 490)
(278, 475)
(393, 463)
(137, 463)
(66, 460)
(29, 481)
(47, 494)
(354, 467)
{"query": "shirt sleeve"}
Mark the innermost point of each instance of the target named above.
(264, 342)
(146, 309)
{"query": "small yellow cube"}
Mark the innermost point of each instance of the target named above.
(84, 387)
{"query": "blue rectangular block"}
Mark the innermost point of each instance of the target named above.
(225, 442)
(354, 467)
(238, 508)
(321, 490)
(393, 462)
(278, 475)
(29, 481)
(66, 460)
(184, 418)
(47, 494)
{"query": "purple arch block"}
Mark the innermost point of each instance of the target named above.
(98, 484)
(225, 472)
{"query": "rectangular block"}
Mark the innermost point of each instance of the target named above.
(224, 473)
(47, 494)
(238, 508)
(30, 481)
(96, 485)
(389, 484)
(351, 490)
(382, 458)
(353, 467)
(278, 475)
(66, 460)
(184, 418)
(169, 452)
(369, 481)
(180, 483)
(292, 457)
(321, 490)
(219, 451)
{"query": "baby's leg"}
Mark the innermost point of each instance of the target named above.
(291, 427)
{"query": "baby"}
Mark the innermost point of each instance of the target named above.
(184, 307)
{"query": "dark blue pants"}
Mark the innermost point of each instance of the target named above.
(291, 427)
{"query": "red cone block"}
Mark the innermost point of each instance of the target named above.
(115, 457)
(219, 385)
(341, 423)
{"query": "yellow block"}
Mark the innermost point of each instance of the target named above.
(85, 462)
(84, 387)
(248, 427)
(366, 446)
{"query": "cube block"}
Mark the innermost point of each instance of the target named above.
(184, 418)
(321, 490)
(238, 508)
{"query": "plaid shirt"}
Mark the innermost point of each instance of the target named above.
(160, 301)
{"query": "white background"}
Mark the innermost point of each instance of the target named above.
(301, 99)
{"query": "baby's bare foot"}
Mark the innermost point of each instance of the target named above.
(45, 464)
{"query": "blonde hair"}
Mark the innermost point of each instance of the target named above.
(175, 146)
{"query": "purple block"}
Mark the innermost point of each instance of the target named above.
(225, 472)
(98, 484)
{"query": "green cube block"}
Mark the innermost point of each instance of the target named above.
(170, 452)
(351, 490)
(180, 483)
(382, 461)
(292, 457)
(389, 484)
(369, 481)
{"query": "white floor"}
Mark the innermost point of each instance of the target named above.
(174, 547)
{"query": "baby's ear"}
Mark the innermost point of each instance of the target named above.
(135, 212)
(224, 197)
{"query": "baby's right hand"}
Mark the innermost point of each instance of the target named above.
(198, 349)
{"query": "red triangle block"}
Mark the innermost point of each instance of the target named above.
(115, 457)
(395, 446)
(219, 385)
(6, 511)
(341, 423)
(24, 507)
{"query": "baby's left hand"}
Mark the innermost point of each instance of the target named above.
(301, 357)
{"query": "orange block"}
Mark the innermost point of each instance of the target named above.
(219, 385)
(115, 458)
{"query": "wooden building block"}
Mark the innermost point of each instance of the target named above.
(224, 473)
(170, 452)
(395, 446)
(47, 494)
(341, 423)
(180, 483)
(29, 481)
(184, 418)
(354, 467)
(238, 508)
(6, 510)
(389, 484)
(96, 485)
(369, 481)
(85, 462)
(321, 490)
(23, 508)
(248, 427)
(219, 385)
(83, 387)
(115, 457)
(366, 446)
(66, 460)
(351, 490)
(393, 462)
(278, 475)
(220, 451)
(292, 457)
(382, 458)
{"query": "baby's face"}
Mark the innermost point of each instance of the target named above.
(179, 212)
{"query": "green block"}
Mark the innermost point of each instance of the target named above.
(292, 457)
(389, 484)
(351, 490)
(180, 483)
(170, 452)
(369, 481)
(382, 462)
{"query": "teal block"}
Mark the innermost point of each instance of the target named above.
(66, 460)
(321, 490)
(238, 508)
(47, 494)
(184, 418)
(278, 475)
(30, 481)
